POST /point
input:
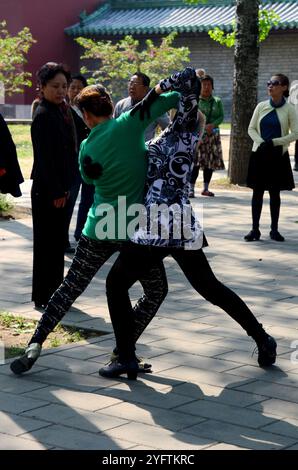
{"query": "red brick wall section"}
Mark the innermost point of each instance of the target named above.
(47, 21)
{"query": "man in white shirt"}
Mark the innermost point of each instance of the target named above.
(138, 87)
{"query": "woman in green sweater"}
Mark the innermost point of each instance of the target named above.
(209, 157)
(112, 158)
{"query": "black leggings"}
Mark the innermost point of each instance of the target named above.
(257, 204)
(89, 257)
(135, 260)
(207, 175)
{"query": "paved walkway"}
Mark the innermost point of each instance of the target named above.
(206, 391)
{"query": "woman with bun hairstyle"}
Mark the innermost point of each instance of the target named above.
(269, 167)
(55, 149)
(113, 159)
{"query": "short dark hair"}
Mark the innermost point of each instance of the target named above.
(284, 81)
(96, 100)
(145, 79)
(81, 78)
(49, 70)
(208, 78)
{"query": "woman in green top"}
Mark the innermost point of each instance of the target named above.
(112, 158)
(209, 150)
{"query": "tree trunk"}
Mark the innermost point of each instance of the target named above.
(246, 63)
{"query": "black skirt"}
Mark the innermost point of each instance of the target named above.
(270, 170)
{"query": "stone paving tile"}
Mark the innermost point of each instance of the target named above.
(226, 413)
(240, 435)
(280, 408)
(218, 394)
(241, 357)
(168, 419)
(172, 343)
(197, 376)
(242, 345)
(85, 352)
(271, 374)
(192, 360)
(140, 447)
(76, 418)
(289, 333)
(69, 380)
(16, 425)
(74, 439)
(271, 390)
(5, 369)
(75, 399)
(98, 324)
(146, 396)
(18, 385)
(206, 349)
(190, 336)
(158, 437)
(150, 350)
(18, 403)
(68, 364)
(19, 443)
(294, 447)
(226, 447)
(285, 427)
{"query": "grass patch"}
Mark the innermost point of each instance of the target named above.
(225, 125)
(22, 138)
(224, 183)
(5, 205)
(16, 331)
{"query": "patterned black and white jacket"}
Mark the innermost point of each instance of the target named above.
(169, 217)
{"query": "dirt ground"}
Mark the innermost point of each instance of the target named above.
(15, 335)
(16, 212)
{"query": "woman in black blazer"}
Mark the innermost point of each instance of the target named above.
(55, 149)
(10, 173)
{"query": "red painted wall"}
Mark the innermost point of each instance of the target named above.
(47, 21)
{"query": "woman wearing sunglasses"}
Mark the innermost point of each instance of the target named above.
(269, 167)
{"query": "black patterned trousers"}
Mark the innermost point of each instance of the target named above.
(89, 257)
(131, 266)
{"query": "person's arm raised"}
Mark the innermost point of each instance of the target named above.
(145, 104)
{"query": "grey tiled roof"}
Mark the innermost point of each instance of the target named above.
(156, 17)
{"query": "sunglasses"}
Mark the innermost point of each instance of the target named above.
(273, 83)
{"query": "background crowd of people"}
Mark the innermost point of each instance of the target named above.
(81, 142)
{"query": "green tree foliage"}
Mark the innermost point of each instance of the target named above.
(113, 63)
(267, 19)
(13, 52)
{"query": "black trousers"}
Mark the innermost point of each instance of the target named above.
(257, 205)
(48, 245)
(133, 263)
(207, 175)
(89, 257)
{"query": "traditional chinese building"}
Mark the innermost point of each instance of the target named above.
(157, 18)
(56, 24)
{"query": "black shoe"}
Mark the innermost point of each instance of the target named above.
(253, 235)
(143, 367)
(25, 362)
(275, 235)
(116, 368)
(266, 351)
(295, 168)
